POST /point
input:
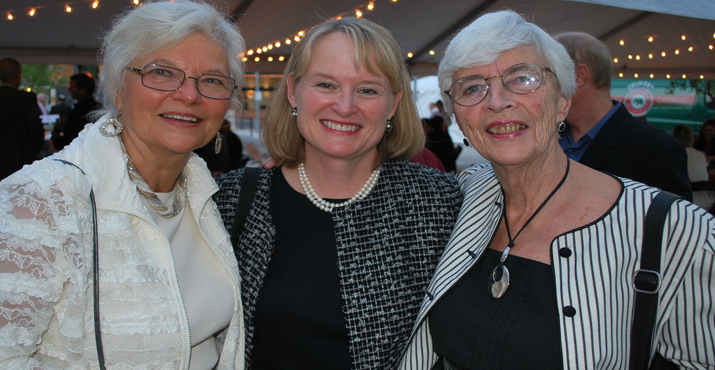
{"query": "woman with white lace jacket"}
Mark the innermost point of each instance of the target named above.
(168, 280)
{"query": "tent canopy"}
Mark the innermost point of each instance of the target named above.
(421, 27)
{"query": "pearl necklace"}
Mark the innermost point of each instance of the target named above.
(328, 206)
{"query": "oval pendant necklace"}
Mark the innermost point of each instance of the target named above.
(499, 278)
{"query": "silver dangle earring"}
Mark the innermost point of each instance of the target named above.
(294, 112)
(217, 143)
(388, 126)
(561, 127)
(111, 127)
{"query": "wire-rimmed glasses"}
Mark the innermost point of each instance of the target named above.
(165, 78)
(522, 78)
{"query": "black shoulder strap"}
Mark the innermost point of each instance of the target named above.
(95, 270)
(646, 281)
(245, 199)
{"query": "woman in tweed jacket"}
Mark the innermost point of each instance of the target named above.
(538, 271)
(342, 238)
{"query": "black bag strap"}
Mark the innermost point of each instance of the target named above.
(95, 271)
(245, 199)
(647, 280)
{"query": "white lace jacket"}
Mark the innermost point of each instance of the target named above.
(46, 315)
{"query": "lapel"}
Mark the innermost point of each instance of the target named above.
(601, 149)
(477, 221)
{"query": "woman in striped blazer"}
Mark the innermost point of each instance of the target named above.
(538, 270)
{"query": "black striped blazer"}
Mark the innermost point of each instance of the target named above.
(593, 266)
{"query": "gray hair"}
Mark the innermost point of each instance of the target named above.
(159, 24)
(492, 34)
(586, 49)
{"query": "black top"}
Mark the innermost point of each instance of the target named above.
(520, 330)
(299, 322)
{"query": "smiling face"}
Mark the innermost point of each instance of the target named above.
(508, 128)
(168, 123)
(342, 110)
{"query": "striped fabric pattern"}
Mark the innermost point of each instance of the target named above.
(593, 267)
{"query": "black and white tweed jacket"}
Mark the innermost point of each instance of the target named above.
(388, 245)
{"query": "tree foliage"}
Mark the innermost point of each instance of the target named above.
(41, 78)
(706, 87)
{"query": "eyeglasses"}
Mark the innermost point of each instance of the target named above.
(520, 78)
(165, 78)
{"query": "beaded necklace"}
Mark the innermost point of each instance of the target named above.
(149, 196)
(328, 206)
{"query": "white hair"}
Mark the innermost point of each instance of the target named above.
(155, 25)
(490, 35)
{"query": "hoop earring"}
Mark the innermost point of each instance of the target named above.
(217, 143)
(294, 112)
(561, 127)
(388, 126)
(111, 127)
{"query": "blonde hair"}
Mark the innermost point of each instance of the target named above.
(376, 50)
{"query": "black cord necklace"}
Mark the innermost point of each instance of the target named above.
(499, 279)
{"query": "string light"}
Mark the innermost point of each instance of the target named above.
(68, 8)
(358, 12)
(663, 53)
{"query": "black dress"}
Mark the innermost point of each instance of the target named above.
(520, 330)
(299, 319)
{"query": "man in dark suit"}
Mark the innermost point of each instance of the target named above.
(82, 88)
(22, 135)
(603, 135)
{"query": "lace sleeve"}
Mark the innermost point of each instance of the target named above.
(40, 255)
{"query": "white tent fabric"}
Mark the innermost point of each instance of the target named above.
(703, 9)
(422, 27)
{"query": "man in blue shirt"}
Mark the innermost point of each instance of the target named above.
(603, 135)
